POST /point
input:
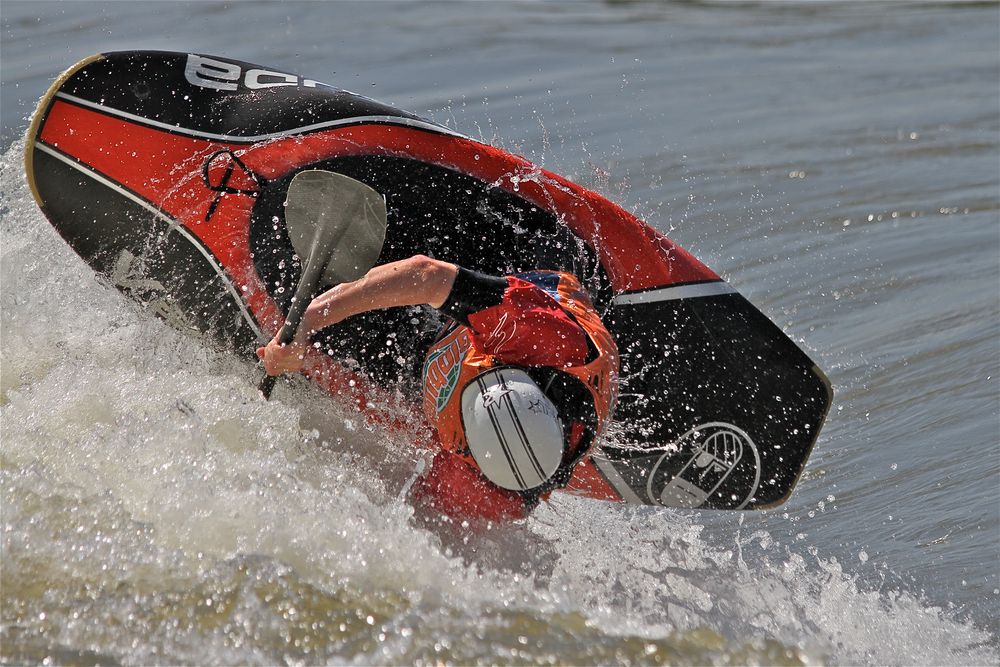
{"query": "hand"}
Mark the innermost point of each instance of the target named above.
(280, 358)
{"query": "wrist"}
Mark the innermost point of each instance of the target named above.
(315, 318)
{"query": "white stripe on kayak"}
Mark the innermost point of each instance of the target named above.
(355, 120)
(174, 225)
(694, 291)
(616, 481)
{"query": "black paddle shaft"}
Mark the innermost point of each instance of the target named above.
(304, 294)
(349, 220)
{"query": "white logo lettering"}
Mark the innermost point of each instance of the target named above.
(211, 73)
(698, 464)
(221, 75)
(130, 274)
(499, 337)
(253, 79)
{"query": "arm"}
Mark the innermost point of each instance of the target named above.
(408, 282)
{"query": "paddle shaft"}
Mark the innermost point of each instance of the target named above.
(324, 245)
(304, 294)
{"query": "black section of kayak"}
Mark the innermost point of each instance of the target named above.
(143, 255)
(157, 86)
(697, 361)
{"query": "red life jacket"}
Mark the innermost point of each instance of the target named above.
(590, 383)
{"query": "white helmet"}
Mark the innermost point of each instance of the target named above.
(512, 429)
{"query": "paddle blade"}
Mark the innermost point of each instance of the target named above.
(337, 221)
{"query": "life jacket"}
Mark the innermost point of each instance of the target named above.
(585, 395)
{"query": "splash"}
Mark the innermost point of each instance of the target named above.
(155, 510)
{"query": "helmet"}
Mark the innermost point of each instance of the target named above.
(496, 417)
(512, 429)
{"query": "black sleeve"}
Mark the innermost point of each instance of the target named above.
(472, 292)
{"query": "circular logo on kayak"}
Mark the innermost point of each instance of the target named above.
(716, 461)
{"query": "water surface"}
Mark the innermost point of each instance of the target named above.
(837, 162)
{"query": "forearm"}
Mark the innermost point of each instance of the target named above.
(413, 281)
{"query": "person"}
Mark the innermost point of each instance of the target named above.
(519, 383)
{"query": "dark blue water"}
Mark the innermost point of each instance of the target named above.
(837, 162)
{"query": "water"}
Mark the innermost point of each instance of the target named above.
(838, 162)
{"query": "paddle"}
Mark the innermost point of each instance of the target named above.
(337, 224)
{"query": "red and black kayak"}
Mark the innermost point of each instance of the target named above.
(167, 173)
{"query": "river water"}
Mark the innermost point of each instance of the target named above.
(837, 162)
